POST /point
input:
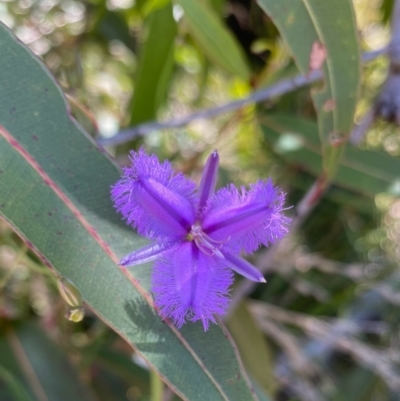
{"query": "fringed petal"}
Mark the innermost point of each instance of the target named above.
(154, 200)
(190, 285)
(245, 219)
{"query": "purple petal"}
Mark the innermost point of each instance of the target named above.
(243, 267)
(245, 219)
(148, 253)
(190, 285)
(208, 179)
(154, 200)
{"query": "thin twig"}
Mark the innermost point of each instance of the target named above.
(303, 261)
(301, 388)
(296, 369)
(394, 45)
(373, 54)
(360, 130)
(271, 92)
(337, 336)
(278, 89)
(299, 361)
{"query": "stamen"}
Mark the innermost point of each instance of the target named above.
(205, 243)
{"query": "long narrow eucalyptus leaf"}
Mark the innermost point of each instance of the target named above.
(54, 192)
(324, 30)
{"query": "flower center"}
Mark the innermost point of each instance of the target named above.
(206, 244)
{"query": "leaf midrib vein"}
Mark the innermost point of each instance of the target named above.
(87, 226)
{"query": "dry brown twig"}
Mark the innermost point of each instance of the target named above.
(337, 336)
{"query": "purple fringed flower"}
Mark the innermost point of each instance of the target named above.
(197, 236)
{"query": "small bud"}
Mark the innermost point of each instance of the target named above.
(69, 292)
(75, 315)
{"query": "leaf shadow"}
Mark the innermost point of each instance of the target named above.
(145, 324)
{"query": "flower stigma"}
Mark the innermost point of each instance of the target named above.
(204, 242)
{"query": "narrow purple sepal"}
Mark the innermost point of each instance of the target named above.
(243, 267)
(208, 179)
(148, 253)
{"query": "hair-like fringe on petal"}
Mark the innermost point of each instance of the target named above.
(146, 167)
(174, 301)
(268, 229)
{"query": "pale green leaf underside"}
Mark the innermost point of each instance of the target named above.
(364, 171)
(332, 23)
(54, 191)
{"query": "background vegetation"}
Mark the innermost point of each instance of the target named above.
(321, 117)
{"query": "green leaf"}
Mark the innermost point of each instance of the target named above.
(386, 9)
(356, 385)
(114, 26)
(122, 366)
(365, 171)
(156, 61)
(54, 192)
(117, 376)
(253, 347)
(15, 388)
(109, 387)
(40, 365)
(157, 387)
(152, 5)
(331, 23)
(214, 38)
